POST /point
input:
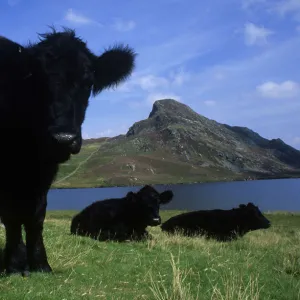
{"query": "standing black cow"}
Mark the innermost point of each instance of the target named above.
(122, 218)
(44, 92)
(217, 223)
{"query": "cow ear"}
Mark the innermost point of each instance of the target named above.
(165, 197)
(250, 205)
(112, 67)
(131, 197)
(15, 62)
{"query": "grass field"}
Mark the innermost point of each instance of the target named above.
(262, 265)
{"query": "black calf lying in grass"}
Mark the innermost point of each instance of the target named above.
(123, 218)
(222, 225)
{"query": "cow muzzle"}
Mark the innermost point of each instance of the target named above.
(155, 221)
(68, 142)
(268, 224)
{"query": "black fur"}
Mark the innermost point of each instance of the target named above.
(44, 92)
(223, 225)
(121, 219)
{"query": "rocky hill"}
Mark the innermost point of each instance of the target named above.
(176, 145)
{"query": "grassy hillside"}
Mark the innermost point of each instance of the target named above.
(262, 265)
(99, 164)
(177, 145)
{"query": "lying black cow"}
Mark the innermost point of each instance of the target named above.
(219, 224)
(122, 218)
(44, 93)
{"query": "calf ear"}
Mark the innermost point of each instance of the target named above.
(165, 197)
(131, 197)
(112, 67)
(15, 62)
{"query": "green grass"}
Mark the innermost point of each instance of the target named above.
(262, 265)
(75, 160)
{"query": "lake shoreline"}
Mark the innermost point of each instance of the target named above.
(172, 184)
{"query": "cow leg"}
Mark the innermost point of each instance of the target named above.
(119, 232)
(140, 235)
(15, 259)
(34, 223)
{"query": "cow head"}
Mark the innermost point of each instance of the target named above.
(147, 202)
(254, 218)
(60, 73)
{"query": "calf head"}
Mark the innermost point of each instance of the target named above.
(147, 202)
(61, 73)
(253, 217)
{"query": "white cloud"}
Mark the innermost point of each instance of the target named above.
(160, 57)
(296, 141)
(77, 18)
(246, 4)
(235, 91)
(286, 89)
(105, 133)
(286, 6)
(147, 82)
(263, 64)
(209, 102)
(151, 98)
(150, 82)
(159, 96)
(85, 135)
(255, 34)
(123, 87)
(123, 26)
(279, 7)
(179, 77)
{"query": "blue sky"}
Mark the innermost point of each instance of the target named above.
(234, 61)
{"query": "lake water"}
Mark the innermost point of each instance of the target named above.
(269, 195)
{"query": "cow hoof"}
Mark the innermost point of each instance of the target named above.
(44, 268)
(17, 267)
(17, 271)
(25, 274)
(15, 260)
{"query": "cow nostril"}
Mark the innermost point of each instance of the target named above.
(64, 138)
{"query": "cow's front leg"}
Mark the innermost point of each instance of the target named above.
(36, 252)
(15, 258)
(140, 234)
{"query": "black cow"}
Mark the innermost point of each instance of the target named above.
(44, 93)
(122, 218)
(223, 225)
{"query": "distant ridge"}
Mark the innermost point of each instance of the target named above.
(176, 145)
